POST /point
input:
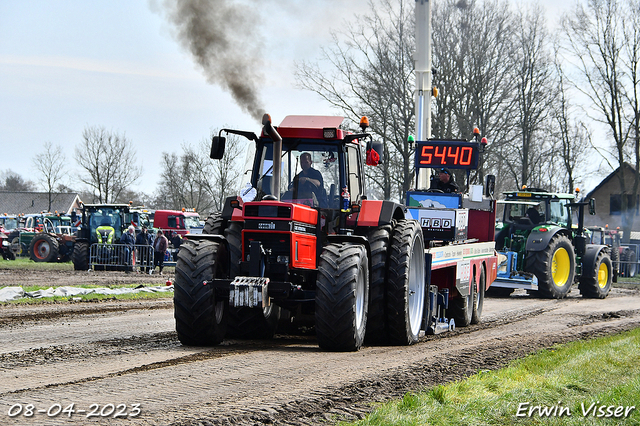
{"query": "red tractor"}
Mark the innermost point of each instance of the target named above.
(308, 245)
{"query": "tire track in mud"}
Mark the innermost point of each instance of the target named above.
(290, 381)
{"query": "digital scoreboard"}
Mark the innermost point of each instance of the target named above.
(451, 154)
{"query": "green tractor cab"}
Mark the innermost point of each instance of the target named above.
(544, 248)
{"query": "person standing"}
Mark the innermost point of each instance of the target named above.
(128, 240)
(159, 248)
(143, 247)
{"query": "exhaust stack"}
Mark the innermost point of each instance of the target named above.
(268, 129)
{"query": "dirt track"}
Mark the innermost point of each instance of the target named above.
(127, 353)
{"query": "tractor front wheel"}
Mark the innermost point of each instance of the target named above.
(596, 283)
(406, 286)
(80, 256)
(200, 317)
(554, 266)
(44, 248)
(342, 297)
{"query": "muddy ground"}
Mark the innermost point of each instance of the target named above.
(127, 353)
(12, 277)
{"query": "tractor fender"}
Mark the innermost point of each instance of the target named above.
(356, 239)
(591, 254)
(379, 212)
(538, 241)
(208, 237)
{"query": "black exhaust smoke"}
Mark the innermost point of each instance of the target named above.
(222, 40)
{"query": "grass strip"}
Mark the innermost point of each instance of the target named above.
(579, 383)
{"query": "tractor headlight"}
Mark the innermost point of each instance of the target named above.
(283, 259)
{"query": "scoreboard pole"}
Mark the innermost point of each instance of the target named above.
(423, 82)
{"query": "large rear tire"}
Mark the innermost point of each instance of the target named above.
(596, 283)
(406, 285)
(247, 323)
(379, 239)
(342, 293)
(44, 248)
(478, 298)
(214, 224)
(80, 256)
(200, 317)
(554, 266)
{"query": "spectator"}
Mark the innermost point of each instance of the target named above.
(445, 182)
(159, 248)
(176, 242)
(128, 240)
(143, 248)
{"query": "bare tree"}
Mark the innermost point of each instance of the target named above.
(193, 180)
(372, 74)
(51, 165)
(603, 41)
(108, 161)
(473, 51)
(13, 182)
(535, 90)
(224, 175)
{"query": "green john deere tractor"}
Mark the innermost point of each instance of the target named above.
(542, 250)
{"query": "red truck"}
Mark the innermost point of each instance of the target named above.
(182, 222)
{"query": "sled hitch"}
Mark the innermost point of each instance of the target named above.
(251, 292)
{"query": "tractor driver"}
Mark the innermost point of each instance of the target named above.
(309, 181)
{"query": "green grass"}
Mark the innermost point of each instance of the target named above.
(90, 298)
(24, 263)
(28, 264)
(605, 371)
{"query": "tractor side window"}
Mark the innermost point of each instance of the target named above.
(353, 170)
(171, 222)
(265, 171)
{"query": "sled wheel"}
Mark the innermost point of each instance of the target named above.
(461, 307)
(478, 298)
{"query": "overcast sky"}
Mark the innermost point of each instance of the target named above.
(66, 65)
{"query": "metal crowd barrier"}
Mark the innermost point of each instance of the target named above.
(121, 257)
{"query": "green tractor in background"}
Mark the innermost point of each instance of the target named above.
(542, 251)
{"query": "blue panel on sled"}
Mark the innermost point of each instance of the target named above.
(435, 200)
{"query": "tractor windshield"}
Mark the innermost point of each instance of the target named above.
(106, 217)
(9, 223)
(310, 173)
(516, 211)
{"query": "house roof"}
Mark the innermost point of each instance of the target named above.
(608, 178)
(37, 202)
